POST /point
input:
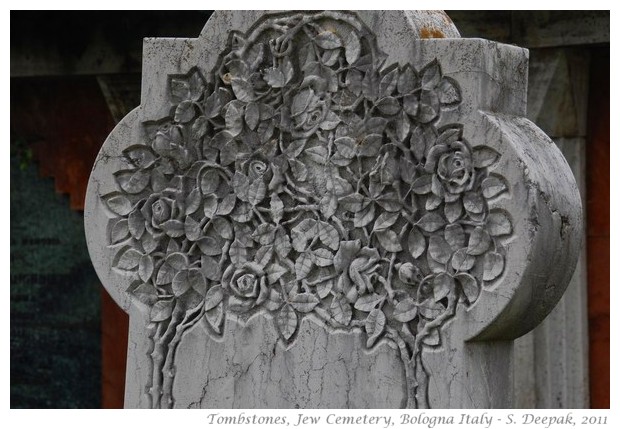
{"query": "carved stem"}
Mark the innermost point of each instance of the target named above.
(151, 331)
(169, 369)
(159, 354)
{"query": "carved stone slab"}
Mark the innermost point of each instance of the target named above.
(321, 209)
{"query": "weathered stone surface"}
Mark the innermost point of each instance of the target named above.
(300, 204)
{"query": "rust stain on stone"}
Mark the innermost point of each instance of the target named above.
(431, 33)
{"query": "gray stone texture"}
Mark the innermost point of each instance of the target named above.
(456, 348)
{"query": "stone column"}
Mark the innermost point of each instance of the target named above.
(330, 210)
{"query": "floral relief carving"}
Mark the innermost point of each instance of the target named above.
(305, 175)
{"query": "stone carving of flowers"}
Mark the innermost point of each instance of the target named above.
(248, 284)
(453, 166)
(162, 214)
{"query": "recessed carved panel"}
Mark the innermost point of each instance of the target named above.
(306, 174)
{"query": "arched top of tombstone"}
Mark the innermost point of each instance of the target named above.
(366, 171)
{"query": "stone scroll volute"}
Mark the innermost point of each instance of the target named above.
(317, 205)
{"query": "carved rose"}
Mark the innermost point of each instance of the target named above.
(157, 210)
(308, 111)
(247, 282)
(454, 167)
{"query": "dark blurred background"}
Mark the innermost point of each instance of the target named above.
(74, 75)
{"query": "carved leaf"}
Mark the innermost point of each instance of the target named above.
(416, 243)
(368, 302)
(264, 234)
(317, 154)
(213, 297)
(209, 182)
(354, 202)
(340, 310)
(215, 317)
(238, 253)
(243, 90)
(132, 181)
(430, 309)
(439, 249)
(200, 127)
(364, 216)
(389, 240)
(406, 80)
(209, 246)
(322, 258)
(143, 292)
(177, 260)
(129, 260)
(226, 206)
(303, 265)
(385, 221)
(462, 261)
(145, 268)
(433, 201)
(286, 321)
(324, 288)
(479, 241)
(493, 266)
(388, 106)
(119, 231)
(118, 204)
(352, 47)
(162, 310)
(484, 156)
(140, 156)
(277, 208)
(431, 222)
(275, 272)
(455, 236)
(173, 228)
(210, 268)
(449, 92)
(328, 40)
(328, 205)
(374, 325)
(422, 185)
(453, 210)
(304, 302)
(263, 255)
(346, 146)
(256, 192)
(473, 203)
(470, 286)
(185, 112)
(443, 284)
(189, 279)
(498, 224)
(242, 212)
(303, 232)
(223, 228)
(193, 231)
(165, 274)
(282, 244)
(406, 310)
(346, 253)
(492, 186)
(370, 145)
(328, 235)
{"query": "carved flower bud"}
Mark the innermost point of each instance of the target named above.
(455, 169)
(308, 111)
(409, 274)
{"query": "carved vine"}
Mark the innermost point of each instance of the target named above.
(307, 177)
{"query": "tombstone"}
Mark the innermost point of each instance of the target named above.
(330, 210)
